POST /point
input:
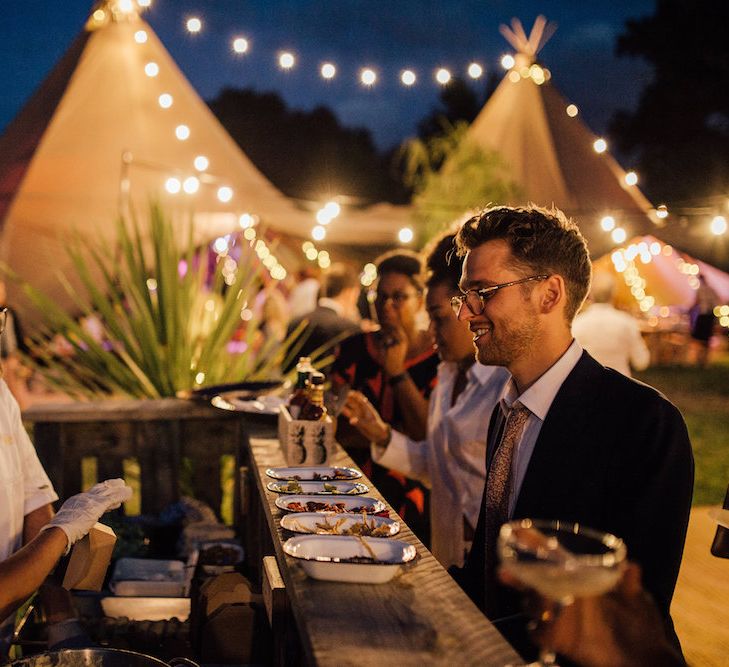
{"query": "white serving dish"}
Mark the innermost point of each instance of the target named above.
(314, 473)
(146, 608)
(318, 488)
(327, 557)
(353, 504)
(306, 523)
(148, 577)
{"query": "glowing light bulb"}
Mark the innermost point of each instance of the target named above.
(619, 235)
(507, 61)
(286, 60)
(572, 110)
(662, 211)
(442, 76)
(201, 163)
(318, 233)
(182, 132)
(191, 185)
(225, 194)
(246, 220)
(240, 45)
(311, 253)
(99, 15)
(323, 217)
(631, 178)
(144, 3)
(600, 145)
(475, 71)
(220, 246)
(125, 6)
(408, 77)
(140, 37)
(193, 25)
(328, 71)
(368, 77)
(151, 69)
(165, 100)
(332, 208)
(173, 185)
(718, 225)
(608, 223)
(405, 235)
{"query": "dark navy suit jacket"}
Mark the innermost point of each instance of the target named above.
(614, 455)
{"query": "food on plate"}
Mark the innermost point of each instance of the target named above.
(315, 506)
(293, 487)
(331, 526)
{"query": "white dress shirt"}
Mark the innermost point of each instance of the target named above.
(612, 337)
(451, 461)
(538, 399)
(24, 485)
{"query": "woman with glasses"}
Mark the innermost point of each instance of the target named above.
(395, 368)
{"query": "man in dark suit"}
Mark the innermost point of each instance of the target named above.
(333, 318)
(570, 439)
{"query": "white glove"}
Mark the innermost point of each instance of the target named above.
(80, 512)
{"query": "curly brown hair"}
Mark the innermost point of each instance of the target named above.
(541, 240)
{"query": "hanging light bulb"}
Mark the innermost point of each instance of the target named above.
(475, 71)
(572, 110)
(442, 76)
(286, 60)
(328, 71)
(600, 145)
(240, 45)
(631, 178)
(507, 61)
(408, 78)
(368, 77)
(193, 25)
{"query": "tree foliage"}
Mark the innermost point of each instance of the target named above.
(679, 131)
(451, 175)
(306, 154)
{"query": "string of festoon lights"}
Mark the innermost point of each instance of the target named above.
(624, 262)
(368, 77)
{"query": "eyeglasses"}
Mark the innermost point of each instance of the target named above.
(3, 318)
(476, 299)
(398, 298)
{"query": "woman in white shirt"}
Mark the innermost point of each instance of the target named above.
(452, 458)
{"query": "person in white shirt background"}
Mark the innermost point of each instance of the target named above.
(452, 458)
(610, 335)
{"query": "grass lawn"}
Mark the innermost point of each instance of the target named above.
(702, 395)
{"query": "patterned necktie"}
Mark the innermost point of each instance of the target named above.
(498, 488)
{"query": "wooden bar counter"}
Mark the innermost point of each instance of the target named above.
(421, 617)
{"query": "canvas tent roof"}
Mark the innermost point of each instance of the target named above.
(94, 138)
(550, 154)
(670, 275)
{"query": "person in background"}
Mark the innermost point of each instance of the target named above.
(335, 314)
(304, 294)
(451, 461)
(570, 439)
(11, 341)
(395, 368)
(24, 571)
(703, 319)
(610, 335)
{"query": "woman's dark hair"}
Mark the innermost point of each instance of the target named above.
(443, 264)
(405, 262)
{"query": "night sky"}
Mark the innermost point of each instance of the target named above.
(388, 35)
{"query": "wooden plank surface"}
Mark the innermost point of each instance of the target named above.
(700, 607)
(421, 617)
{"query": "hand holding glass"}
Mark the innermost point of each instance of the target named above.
(560, 561)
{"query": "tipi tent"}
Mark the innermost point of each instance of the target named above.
(116, 124)
(551, 153)
(651, 275)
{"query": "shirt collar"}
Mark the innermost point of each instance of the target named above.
(539, 397)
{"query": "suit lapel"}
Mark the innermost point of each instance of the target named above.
(561, 442)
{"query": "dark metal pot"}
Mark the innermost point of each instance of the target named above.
(97, 657)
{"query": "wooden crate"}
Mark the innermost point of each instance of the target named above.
(161, 435)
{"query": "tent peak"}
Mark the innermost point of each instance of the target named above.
(527, 47)
(104, 12)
